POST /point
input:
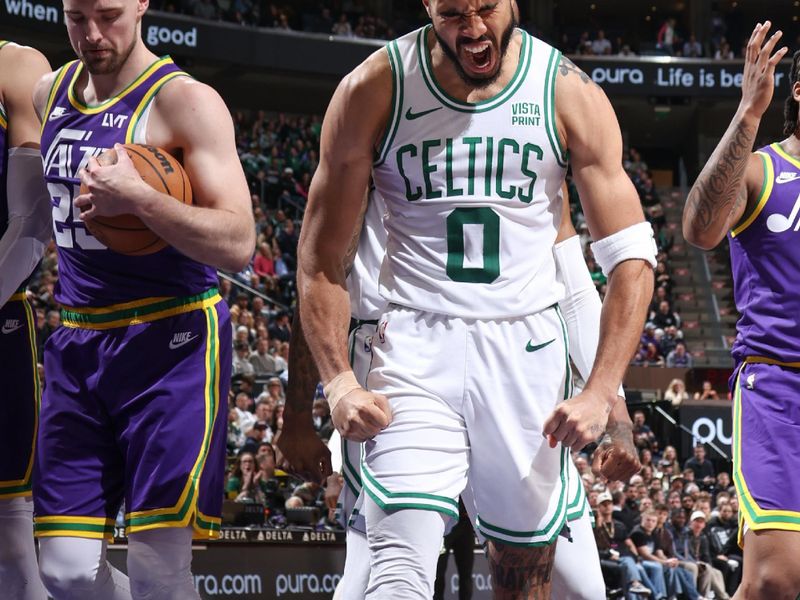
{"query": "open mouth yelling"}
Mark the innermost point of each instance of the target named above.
(478, 57)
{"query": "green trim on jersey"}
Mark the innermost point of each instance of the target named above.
(562, 157)
(396, 500)
(396, 63)
(549, 532)
(426, 67)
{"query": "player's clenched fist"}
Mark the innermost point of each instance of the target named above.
(578, 421)
(356, 413)
(615, 457)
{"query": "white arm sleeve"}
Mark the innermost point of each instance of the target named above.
(29, 220)
(581, 305)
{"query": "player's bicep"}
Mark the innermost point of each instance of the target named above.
(353, 124)
(203, 129)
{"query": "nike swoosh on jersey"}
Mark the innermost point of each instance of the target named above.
(173, 345)
(786, 177)
(412, 115)
(531, 348)
(12, 329)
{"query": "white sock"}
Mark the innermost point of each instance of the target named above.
(75, 568)
(19, 572)
(160, 564)
(404, 548)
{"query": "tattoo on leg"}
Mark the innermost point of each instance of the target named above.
(521, 573)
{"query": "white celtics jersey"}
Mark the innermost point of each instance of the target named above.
(473, 191)
(366, 303)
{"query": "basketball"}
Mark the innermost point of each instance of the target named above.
(127, 234)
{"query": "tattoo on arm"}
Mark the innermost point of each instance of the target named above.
(719, 191)
(567, 67)
(303, 373)
(521, 572)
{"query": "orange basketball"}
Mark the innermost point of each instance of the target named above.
(127, 234)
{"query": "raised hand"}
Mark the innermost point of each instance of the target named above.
(758, 80)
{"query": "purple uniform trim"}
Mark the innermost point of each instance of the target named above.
(137, 414)
(19, 406)
(765, 435)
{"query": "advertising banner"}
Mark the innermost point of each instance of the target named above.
(291, 565)
(708, 422)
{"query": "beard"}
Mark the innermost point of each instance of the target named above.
(479, 82)
(108, 63)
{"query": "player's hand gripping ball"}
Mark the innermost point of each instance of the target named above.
(126, 233)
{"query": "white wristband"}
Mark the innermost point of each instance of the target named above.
(634, 242)
(338, 387)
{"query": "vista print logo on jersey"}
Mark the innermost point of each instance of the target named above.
(526, 113)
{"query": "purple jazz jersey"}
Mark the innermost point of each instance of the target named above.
(765, 258)
(765, 436)
(19, 403)
(135, 413)
(89, 273)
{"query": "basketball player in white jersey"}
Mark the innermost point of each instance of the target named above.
(581, 307)
(465, 127)
(24, 233)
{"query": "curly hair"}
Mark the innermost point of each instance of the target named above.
(791, 107)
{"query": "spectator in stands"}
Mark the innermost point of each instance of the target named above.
(305, 494)
(245, 418)
(235, 437)
(264, 266)
(707, 392)
(287, 240)
(665, 316)
(724, 482)
(692, 48)
(643, 436)
(680, 542)
(663, 280)
(275, 391)
(679, 357)
(702, 468)
(321, 416)
(262, 361)
(669, 340)
(649, 334)
(601, 46)
(260, 432)
(666, 36)
(709, 578)
(616, 559)
(723, 534)
(241, 359)
(652, 357)
(676, 393)
(342, 27)
(281, 330)
(724, 52)
(242, 485)
(282, 358)
(646, 544)
(625, 50)
(679, 579)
